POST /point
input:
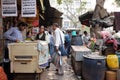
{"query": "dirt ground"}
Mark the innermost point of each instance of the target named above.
(50, 74)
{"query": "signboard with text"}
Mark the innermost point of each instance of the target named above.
(28, 8)
(9, 7)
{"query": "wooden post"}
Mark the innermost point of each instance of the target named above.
(1, 36)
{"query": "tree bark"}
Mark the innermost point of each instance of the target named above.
(99, 6)
(97, 16)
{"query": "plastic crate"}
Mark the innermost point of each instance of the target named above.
(79, 51)
(24, 58)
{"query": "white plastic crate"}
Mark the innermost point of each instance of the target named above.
(79, 51)
(24, 58)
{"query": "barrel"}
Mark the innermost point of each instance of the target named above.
(112, 61)
(93, 67)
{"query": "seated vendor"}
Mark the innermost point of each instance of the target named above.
(92, 42)
(29, 36)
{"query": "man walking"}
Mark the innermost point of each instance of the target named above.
(58, 40)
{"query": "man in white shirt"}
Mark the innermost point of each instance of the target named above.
(85, 38)
(58, 40)
(58, 36)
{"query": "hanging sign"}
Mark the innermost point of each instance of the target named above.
(28, 8)
(9, 7)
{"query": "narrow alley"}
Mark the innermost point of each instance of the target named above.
(50, 74)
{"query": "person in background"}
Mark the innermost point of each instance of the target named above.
(58, 35)
(7, 26)
(42, 35)
(14, 34)
(67, 41)
(76, 39)
(92, 42)
(29, 36)
(85, 38)
(51, 44)
(79, 38)
(58, 40)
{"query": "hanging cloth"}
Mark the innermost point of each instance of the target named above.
(44, 55)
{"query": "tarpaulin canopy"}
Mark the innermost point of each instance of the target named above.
(86, 18)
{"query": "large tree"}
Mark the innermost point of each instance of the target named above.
(73, 15)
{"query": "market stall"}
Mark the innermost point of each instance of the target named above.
(24, 57)
(102, 64)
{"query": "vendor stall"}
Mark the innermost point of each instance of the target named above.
(24, 56)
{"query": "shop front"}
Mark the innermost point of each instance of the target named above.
(35, 13)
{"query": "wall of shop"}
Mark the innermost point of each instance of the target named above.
(1, 36)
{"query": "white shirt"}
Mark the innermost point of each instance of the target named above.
(85, 39)
(47, 38)
(58, 37)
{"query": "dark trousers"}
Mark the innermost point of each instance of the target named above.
(6, 53)
(6, 65)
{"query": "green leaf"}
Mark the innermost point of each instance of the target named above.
(59, 1)
(117, 2)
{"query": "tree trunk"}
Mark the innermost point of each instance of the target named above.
(97, 16)
(95, 30)
(99, 6)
